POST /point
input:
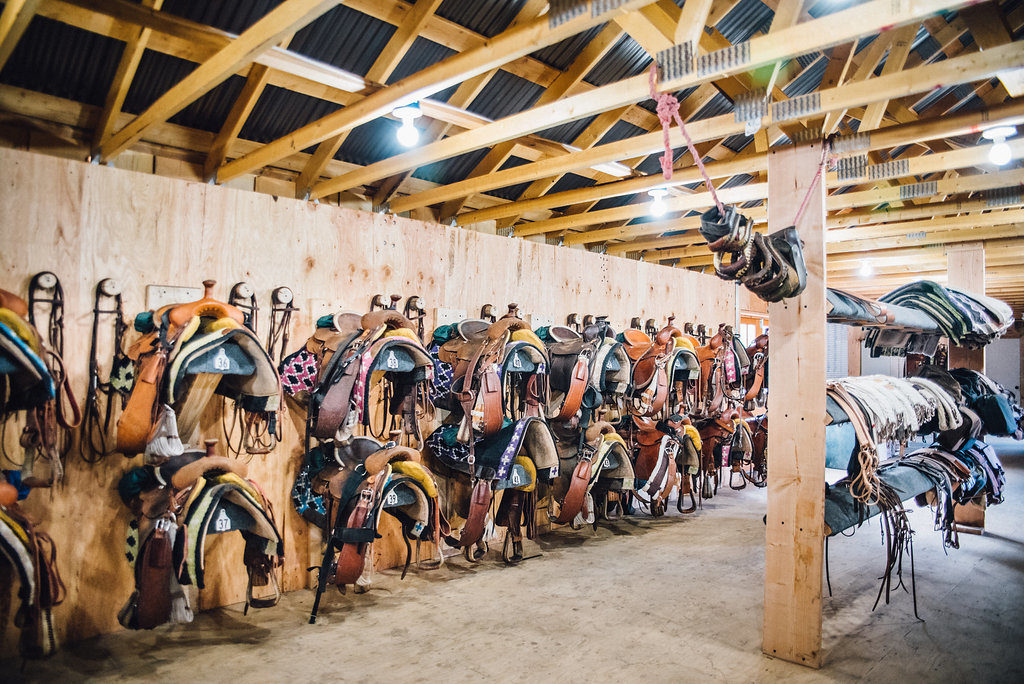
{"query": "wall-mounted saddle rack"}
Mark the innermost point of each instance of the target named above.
(243, 298)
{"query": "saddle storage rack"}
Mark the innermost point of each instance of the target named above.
(361, 381)
(494, 443)
(186, 355)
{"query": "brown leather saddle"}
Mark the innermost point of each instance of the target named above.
(189, 352)
(177, 503)
(649, 379)
(364, 480)
(352, 354)
(493, 380)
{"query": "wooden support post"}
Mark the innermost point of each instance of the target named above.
(794, 540)
(965, 270)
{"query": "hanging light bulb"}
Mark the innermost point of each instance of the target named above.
(408, 135)
(658, 206)
(866, 270)
(999, 154)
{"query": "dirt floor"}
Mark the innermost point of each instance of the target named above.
(675, 599)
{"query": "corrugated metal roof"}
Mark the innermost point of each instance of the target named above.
(227, 16)
(505, 94)
(561, 54)
(809, 79)
(744, 20)
(343, 37)
(487, 17)
(626, 59)
(450, 170)
(716, 106)
(567, 132)
(511, 192)
(613, 202)
(60, 60)
(280, 111)
(422, 53)
(571, 181)
(620, 131)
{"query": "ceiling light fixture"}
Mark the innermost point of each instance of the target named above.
(616, 169)
(658, 206)
(999, 154)
(408, 135)
(866, 270)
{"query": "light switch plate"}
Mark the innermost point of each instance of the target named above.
(449, 316)
(541, 321)
(162, 295)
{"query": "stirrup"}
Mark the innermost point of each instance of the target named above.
(474, 552)
(761, 479)
(517, 550)
(743, 479)
(608, 506)
(693, 501)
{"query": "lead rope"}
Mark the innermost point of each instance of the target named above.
(814, 184)
(668, 109)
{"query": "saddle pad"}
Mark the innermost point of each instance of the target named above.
(299, 372)
(33, 383)
(494, 456)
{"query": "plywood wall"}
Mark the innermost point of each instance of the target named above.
(86, 223)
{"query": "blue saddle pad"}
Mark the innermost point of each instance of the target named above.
(224, 359)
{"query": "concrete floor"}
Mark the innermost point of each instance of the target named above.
(644, 600)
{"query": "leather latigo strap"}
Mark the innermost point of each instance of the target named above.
(473, 530)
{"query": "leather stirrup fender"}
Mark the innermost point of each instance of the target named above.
(577, 494)
(473, 530)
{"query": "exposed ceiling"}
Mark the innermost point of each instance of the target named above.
(562, 141)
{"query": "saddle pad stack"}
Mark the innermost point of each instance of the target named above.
(968, 320)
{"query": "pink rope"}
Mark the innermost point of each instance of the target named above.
(814, 183)
(668, 109)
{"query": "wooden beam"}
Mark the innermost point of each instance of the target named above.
(13, 21)
(123, 77)
(265, 33)
(652, 27)
(512, 43)
(899, 50)
(381, 69)
(692, 20)
(804, 37)
(942, 237)
(698, 254)
(933, 209)
(859, 218)
(753, 191)
(893, 136)
(255, 83)
(463, 97)
(795, 520)
(987, 24)
(962, 69)
(76, 122)
(586, 60)
(965, 270)
(988, 181)
(926, 226)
